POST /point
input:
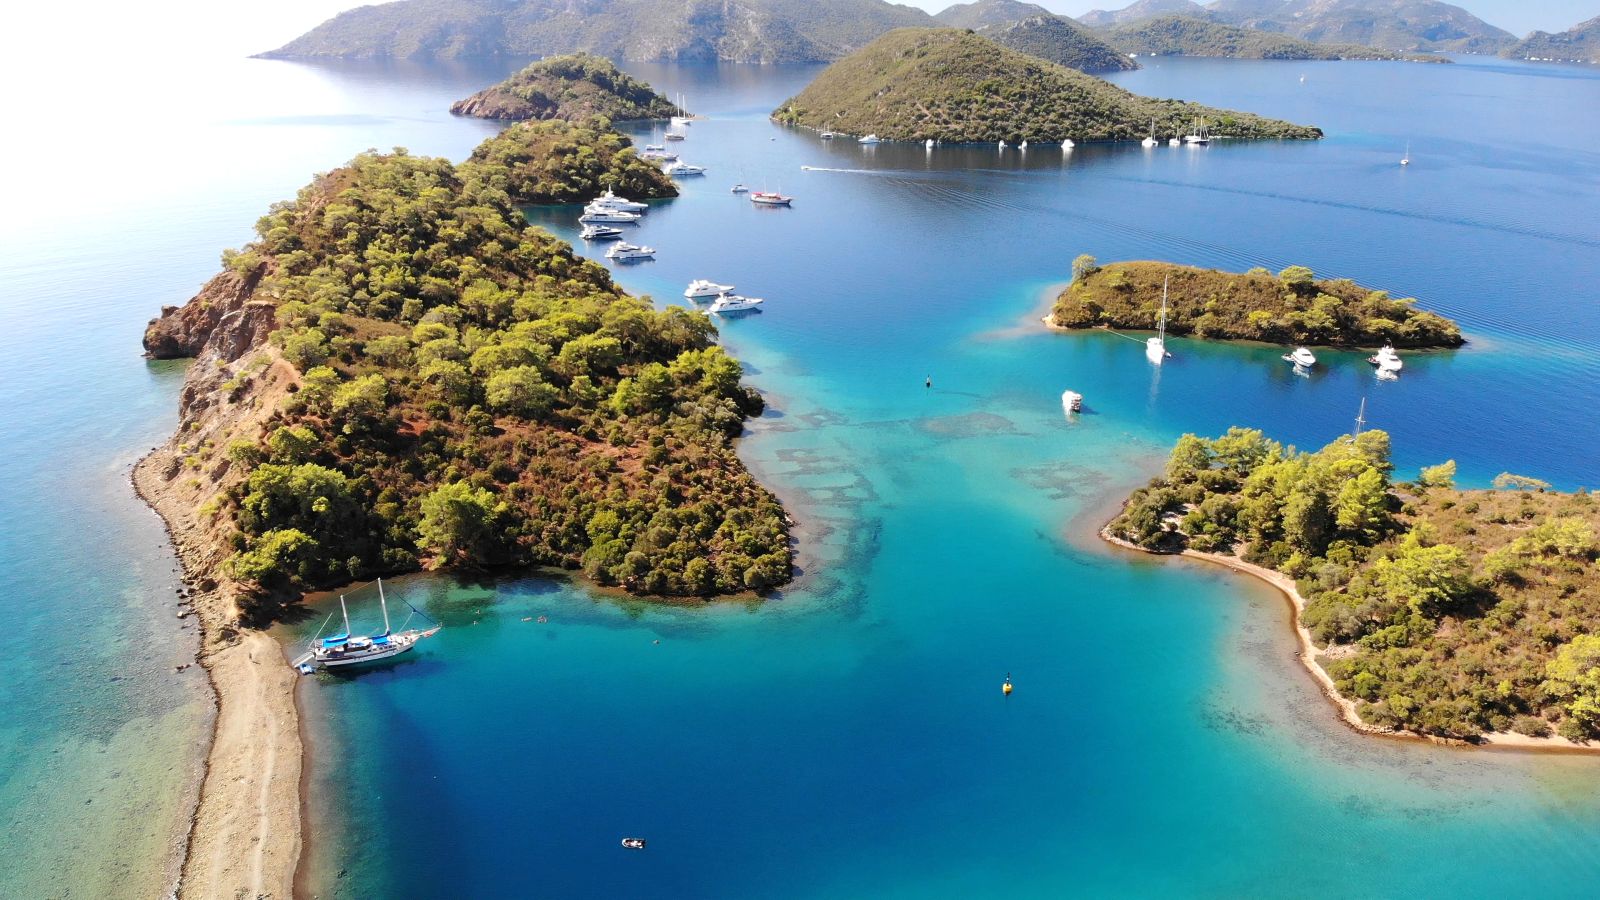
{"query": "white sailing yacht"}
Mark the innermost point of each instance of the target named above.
(1155, 349)
(682, 119)
(1200, 137)
(343, 649)
(1406, 160)
(1151, 140)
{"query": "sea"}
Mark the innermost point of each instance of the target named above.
(848, 736)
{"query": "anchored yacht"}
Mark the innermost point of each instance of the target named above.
(1301, 357)
(770, 198)
(701, 289)
(626, 252)
(1155, 349)
(682, 169)
(869, 139)
(729, 303)
(609, 200)
(600, 233)
(345, 649)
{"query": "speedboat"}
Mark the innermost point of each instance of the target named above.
(1386, 359)
(1071, 402)
(740, 188)
(681, 169)
(826, 135)
(703, 289)
(869, 139)
(770, 198)
(609, 200)
(1301, 357)
(593, 214)
(600, 233)
(730, 303)
(1067, 144)
(658, 153)
(633, 843)
(626, 252)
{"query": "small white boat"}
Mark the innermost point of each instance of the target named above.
(1151, 140)
(678, 169)
(609, 200)
(827, 135)
(731, 303)
(1301, 357)
(343, 649)
(701, 288)
(592, 215)
(1406, 160)
(1386, 358)
(1173, 142)
(769, 198)
(1003, 145)
(740, 188)
(1071, 402)
(1023, 145)
(928, 143)
(626, 252)
(1155, 349)
(1067, 144)
(600, 233)
(633, 843)
(869, 139)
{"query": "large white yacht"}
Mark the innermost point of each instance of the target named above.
(345, 649)
(702, 289)
(1387, 359)
(593, 214)
(609, 200)
(679, 169)
(728, 303)
(626, 252)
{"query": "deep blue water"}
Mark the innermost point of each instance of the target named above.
(849, 737)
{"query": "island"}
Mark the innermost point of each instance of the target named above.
(1424, 609)
(1402, 26)
(1580, 43)
(399, 374)
(575, 87)
(1189, 36)
(1291, 307)
(957, 86)
(1032, 29)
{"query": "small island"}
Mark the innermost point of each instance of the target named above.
(957, 86)
(576, 87)
(1190, 36)
(556, 161)
(1291, 307)
(1453, 614)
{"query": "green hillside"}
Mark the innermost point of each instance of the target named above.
(1186, 36)
(956, 86)
(1058, 40)
(574, 87)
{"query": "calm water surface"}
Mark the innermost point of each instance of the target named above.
(848, 738)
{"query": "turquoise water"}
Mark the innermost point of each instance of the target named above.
(849, 737)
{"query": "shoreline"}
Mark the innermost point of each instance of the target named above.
(249, 794)
(1309, 655)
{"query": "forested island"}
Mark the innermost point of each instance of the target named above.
(1444, 612)
(401, 373)
(957, 86)
(575, 87)
(1031, 29)
(1190, 36)
(1291, 307)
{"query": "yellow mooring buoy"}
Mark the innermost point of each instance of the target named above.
(1006, 688)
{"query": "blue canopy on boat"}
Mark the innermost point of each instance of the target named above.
(380, 639)
(335, 640)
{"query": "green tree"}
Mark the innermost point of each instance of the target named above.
(1297, 278)
(1441, 476)
(520, 391)
(1084, 266)
(1574, 676)
(456, 519)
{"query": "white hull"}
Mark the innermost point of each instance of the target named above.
(706, 290)
(1155, 350)
(1301, 357)
(1071, 402)
(608, 218)
(733, 304)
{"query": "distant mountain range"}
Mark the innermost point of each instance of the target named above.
(1580, 43)
(1186, 36)
(1398, 25)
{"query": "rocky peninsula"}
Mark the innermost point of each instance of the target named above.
(399, 374)
(1424, 610)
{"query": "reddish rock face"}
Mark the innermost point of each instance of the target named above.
(223, 317)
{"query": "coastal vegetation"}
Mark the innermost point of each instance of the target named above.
(1440, 611)
(464, 390)
(1291, 307)
(576, 87)
(556, 161)
(1580, 43)
(957, 86)
(1397, 25)
(1188, 36)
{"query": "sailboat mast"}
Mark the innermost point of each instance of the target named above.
(385, 604)
(1361, 418)
(344, 609)
(1161, 325)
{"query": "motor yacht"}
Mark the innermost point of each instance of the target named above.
(593, 214)
(769, 198)
(610, 200)
(869, 139)
(600, 233)
(703, 289)
(731, 303)
(626, 252)
(1301, 357)
(682, 169)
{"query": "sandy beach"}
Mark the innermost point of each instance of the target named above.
(1310, 657)
(245, 837)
